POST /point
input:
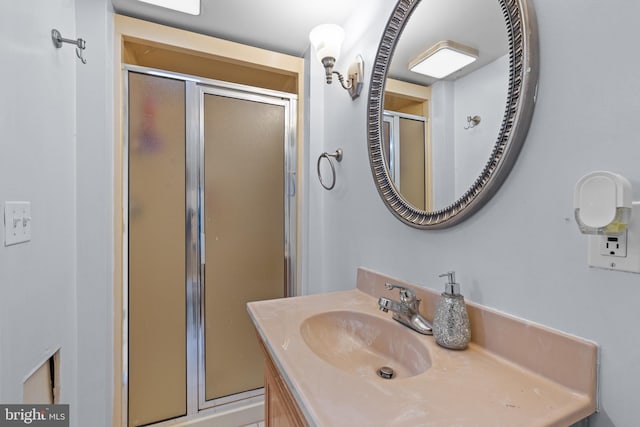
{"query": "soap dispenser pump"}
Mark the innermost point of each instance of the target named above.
(451, 327)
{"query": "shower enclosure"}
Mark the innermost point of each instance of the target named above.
(210, 224)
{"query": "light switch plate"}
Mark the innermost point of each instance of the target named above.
(17, 222)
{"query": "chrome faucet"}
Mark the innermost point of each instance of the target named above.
(407, 310)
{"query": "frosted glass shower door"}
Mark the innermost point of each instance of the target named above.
(244, 226)
(157, 388)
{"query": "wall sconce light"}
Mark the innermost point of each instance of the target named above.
(443, 58)
(327, 40)
(603, 209)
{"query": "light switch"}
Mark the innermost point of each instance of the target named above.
(17, 222)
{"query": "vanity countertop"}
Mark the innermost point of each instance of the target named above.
(475, 387)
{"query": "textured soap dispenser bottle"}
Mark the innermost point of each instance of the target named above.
(451, 327)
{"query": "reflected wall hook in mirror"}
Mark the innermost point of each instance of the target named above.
(338, 156)
(472, 122)
(80, 44)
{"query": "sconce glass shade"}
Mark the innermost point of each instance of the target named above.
(602, 203)
(443, 58)
(327, 40)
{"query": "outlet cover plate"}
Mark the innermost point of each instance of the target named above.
(630, 262)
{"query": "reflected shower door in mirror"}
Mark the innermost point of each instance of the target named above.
(476, 114)
(405, 148)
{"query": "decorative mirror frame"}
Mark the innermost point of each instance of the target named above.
(523, 80)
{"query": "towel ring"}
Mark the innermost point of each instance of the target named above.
(338, 156)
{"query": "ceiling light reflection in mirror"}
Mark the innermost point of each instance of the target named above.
(443, 58)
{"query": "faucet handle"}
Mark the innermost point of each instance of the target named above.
(406, 295)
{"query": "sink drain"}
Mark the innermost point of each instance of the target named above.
(386, 372)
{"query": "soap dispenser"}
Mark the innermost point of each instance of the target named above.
(451, 327)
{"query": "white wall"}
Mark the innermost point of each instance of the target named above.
(37, 164)
(522, 253)
(56, 145)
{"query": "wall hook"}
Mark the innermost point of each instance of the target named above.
(472, 122)
(79, 43)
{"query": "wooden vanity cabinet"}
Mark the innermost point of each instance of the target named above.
(280, 408)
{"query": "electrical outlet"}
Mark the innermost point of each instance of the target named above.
(614, 245)
(620, 253)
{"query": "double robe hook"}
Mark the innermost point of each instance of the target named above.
(79, 43)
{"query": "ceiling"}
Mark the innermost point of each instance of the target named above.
(284, 25)
(278, 25)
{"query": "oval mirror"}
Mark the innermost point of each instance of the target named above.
(440, 145)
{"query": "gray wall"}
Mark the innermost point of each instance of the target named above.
(94, 210)
(522, 253)
(37, 164)
(56, 150)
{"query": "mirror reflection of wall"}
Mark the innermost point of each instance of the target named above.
(456, 154)
(460, 152)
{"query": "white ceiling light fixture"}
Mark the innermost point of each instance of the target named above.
(191, 7)
(443, 58)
